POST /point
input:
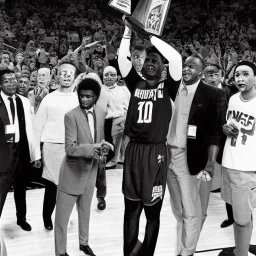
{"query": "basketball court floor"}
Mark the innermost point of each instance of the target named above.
(106, 226)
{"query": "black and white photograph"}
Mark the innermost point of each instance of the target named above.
(127, 127)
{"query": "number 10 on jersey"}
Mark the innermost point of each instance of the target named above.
(145, 111)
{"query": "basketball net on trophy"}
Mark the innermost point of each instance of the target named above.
(149, 15)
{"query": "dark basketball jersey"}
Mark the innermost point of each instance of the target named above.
(132, 79)
(149, 112)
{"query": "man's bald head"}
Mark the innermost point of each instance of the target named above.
(192, 69)
(109, 69)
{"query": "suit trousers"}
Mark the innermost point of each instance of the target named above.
(64, 205)
(21, 178)
(9, 164)
(49, 200)
(189, 200)
(101, 182)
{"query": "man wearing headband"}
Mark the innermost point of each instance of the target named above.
(239, 165)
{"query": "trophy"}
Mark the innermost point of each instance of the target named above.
(149, 15)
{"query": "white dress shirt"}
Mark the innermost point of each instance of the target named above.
(16, 120)
(90, 118)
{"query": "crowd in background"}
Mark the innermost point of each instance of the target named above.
(42, 32)
(49, 45)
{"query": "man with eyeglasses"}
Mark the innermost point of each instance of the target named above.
(17, 144)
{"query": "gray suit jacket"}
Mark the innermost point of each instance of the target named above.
(79, 160)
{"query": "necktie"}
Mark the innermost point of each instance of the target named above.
(12, 108)
(91, 123)
(13, 114)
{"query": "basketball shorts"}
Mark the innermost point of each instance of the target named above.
(145, 172)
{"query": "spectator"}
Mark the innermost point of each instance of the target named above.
(122, 95)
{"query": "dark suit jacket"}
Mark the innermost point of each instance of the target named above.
(27, 143)
(207, 112)
(79, 160)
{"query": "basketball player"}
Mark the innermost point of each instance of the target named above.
(145, 166)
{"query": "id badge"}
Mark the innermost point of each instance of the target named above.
(10, 129)
(192, 131)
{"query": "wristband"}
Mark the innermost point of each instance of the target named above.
(127, 32)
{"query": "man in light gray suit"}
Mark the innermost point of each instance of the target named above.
(84, 145)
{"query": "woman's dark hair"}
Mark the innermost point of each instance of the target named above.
(89, 84)
(4, 72)
(246, 63)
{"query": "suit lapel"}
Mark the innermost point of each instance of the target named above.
(4, 120)
(3, 112)
(84, 123)
(198, 98)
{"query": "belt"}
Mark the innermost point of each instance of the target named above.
(145, 142)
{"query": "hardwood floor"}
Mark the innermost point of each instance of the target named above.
(106, 226)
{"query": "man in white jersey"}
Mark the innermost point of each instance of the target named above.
(239, 165)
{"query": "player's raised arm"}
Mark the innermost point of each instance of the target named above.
(173, 57)
(125, 65)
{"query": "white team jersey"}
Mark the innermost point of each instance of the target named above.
(240, 152)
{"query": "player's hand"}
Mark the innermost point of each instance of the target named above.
(230, 130)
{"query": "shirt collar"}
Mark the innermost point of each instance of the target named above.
(112, 87)
(89, 110)
(190, 88)
(4, 96)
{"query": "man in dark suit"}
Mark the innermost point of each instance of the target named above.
(194, 138)
(213, 75)
(84, 145)
(17, 144)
